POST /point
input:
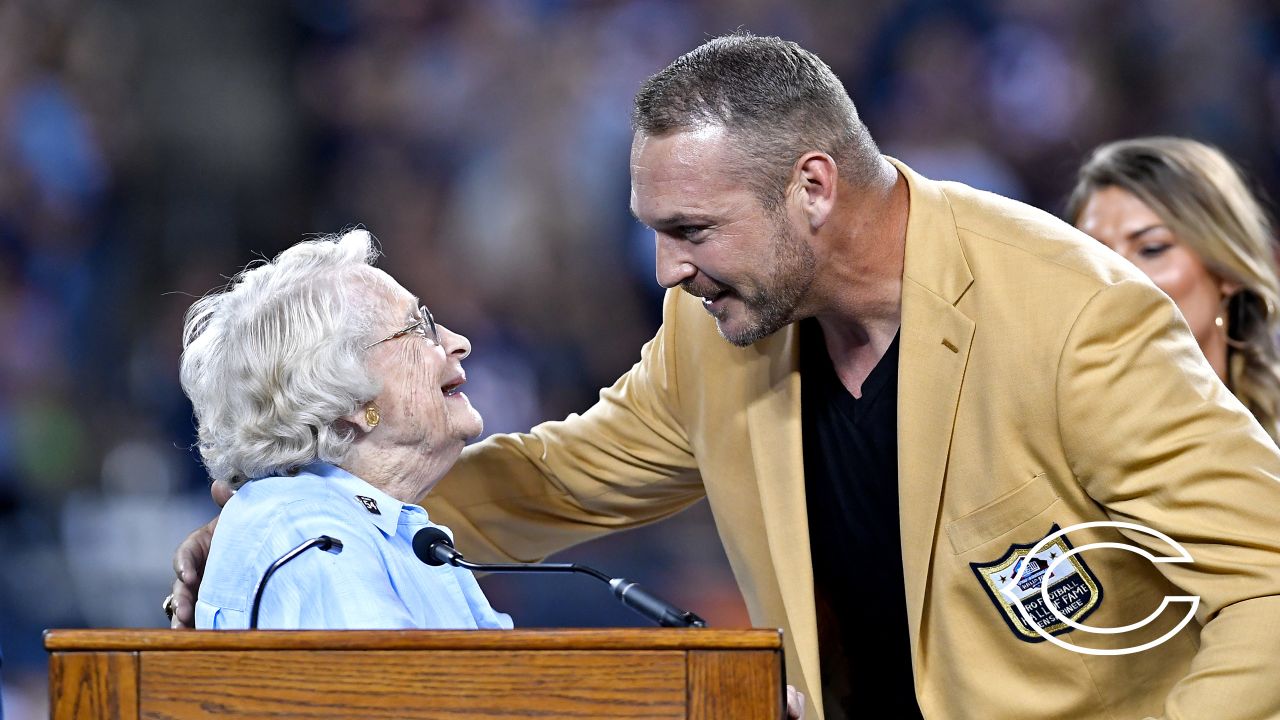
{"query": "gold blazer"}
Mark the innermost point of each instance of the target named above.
(1043, 382)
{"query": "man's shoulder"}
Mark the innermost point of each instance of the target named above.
(1000, 233)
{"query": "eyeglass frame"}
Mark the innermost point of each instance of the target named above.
(432, 333)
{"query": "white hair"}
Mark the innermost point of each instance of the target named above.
(273, 360)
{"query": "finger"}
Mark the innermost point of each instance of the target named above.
(184, 607)
(182, 560)
(189, 558)
(221, 492)
(795, 704)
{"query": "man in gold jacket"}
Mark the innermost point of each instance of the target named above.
(1042, 382)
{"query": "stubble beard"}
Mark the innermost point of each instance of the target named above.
(773, 307)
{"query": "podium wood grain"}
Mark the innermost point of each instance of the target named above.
(94, 685)
(654, 673)
(734, 684)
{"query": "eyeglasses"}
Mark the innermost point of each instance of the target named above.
(426, 322)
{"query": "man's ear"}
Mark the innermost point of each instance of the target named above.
(814, 187)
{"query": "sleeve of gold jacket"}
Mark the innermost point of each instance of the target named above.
(1159, 442)
(624, 462)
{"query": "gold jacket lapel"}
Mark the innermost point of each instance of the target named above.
(778, 456)
(934, 352)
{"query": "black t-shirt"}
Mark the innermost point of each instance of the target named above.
(851, 483)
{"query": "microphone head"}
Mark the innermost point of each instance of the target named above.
(428, 544)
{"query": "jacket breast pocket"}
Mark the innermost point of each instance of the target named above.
(1001, 515)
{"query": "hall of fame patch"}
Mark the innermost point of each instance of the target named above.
(1073, 588)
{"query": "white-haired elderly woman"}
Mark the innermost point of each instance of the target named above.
(328, 396)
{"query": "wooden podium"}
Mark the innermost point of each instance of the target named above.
(651, 673)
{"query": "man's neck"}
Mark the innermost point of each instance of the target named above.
(854, 352)
(859, 293)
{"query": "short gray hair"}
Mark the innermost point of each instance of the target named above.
(778, 99)
(273, 360)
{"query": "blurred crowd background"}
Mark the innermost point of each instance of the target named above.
(149, 148)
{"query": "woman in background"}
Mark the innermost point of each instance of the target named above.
(1180, 211)
(326, 393)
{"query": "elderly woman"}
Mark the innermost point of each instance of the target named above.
(1181, 212)
(327, 394)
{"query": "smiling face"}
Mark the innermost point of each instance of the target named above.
(420, 403)
(1122, 222)
(714, 237)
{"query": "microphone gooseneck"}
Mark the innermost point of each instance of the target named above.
(652, 606)
(324, 542)
(433, 547)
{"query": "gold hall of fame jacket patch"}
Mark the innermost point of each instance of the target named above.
(1073, 588)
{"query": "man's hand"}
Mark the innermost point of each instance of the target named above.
(221, 492)
(188, 564)
(795, 703)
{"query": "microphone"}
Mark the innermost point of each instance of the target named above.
(324, 542)
(433, 547)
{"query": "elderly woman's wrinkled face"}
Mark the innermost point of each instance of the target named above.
(1122, 222)
(420, 402)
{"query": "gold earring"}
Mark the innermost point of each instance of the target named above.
(371, 415)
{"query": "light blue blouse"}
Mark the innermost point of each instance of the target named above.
(375, 582)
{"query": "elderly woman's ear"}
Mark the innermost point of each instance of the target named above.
(364, 418)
